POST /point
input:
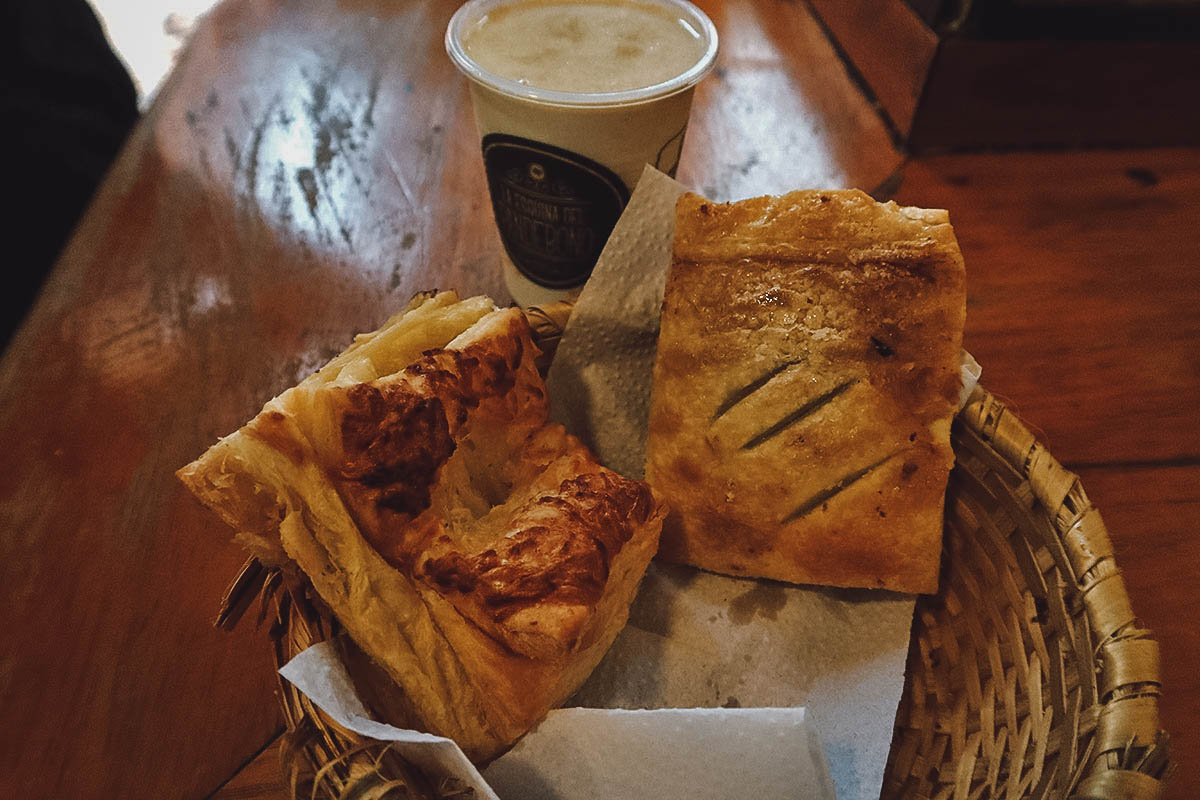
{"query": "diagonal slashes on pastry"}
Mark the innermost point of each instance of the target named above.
(806, 378)
(479, 558)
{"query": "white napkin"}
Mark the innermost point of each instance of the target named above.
(593, 754)
(691, 754)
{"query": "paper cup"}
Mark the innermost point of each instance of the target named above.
(561, 165)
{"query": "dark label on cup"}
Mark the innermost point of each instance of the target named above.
(554, 208)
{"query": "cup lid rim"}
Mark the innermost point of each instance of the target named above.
(678, 83)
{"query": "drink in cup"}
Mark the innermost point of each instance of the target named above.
(572, 99)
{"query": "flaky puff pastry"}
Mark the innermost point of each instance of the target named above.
(807, 374)
(479, 558)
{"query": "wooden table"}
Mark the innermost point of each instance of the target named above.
(307, 168)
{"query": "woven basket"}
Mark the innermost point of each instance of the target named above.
(1028, 675)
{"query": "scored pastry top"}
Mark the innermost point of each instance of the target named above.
(826, 226)
(806, 377)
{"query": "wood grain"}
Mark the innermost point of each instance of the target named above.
(1083, 292)
(780, 112)
(261, 779)
(251, 227)
(889, 45)
(306, 168)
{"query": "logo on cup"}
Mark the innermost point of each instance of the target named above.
(554, 208)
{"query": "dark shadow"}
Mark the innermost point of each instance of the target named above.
(67, 105)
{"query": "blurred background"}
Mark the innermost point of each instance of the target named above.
(147, 36)
(77, 77)
(974, 74)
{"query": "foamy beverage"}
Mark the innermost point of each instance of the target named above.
(572, 99)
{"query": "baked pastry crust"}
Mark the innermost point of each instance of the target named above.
(479, 558)
(806, 378)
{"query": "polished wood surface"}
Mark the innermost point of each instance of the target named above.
(306, 169)
(890, 46)
(1083, 292)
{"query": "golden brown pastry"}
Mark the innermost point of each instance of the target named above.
(807, 374)
(478, 557)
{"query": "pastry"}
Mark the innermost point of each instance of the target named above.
(478, 557)
(806, 377)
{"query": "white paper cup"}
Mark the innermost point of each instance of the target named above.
(561, 165)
